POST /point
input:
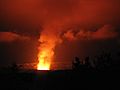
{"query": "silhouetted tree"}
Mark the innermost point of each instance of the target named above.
(87, 65)
(76, 64)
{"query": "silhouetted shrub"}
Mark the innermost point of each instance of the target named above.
(76, 64)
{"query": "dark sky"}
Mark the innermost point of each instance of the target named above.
(86, 27)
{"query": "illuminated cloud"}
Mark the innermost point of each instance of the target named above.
(10, 37)
(104, 33)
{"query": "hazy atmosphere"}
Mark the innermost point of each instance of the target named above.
(63, 29)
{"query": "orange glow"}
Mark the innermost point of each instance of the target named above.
(46, 52)
(44, 59)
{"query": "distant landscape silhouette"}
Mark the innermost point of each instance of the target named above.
(83, 75)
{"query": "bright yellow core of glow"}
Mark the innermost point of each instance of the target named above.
(44, 62)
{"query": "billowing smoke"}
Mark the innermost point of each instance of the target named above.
(48, 41)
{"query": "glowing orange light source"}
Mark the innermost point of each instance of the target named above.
(46, 51)
(43, 66)
(45, 56)
(43, 59)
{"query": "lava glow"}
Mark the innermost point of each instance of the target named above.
(46, 52)
(44, 59)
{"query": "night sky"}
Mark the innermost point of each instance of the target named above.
(78, 27)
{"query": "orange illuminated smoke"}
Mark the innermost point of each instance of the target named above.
(46, 52)
(44, 59)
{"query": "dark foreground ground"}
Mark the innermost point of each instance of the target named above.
(59, 80)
